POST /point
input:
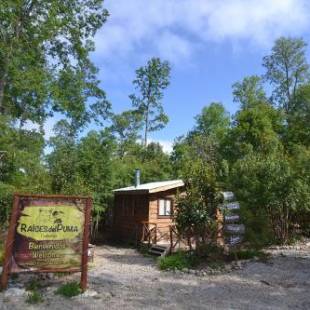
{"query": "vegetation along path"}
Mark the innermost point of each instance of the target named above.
(123, 278)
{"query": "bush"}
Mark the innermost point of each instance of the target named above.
(34, 297)
(179, 261)
(69, 289)
(33, 285)
(258, 231)
(211, 251)
(248, 254)
(6, 196)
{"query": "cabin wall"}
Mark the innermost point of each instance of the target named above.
(129, 212)
(131, 209)
(163, 222)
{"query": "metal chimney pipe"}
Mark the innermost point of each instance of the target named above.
(137, 177)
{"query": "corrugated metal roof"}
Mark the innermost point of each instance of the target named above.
(152, 187)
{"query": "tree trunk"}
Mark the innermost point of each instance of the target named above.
(146, 126)
(288, 93)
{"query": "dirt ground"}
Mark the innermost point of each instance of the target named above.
(124, 279)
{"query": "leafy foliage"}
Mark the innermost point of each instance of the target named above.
(69, 289)
(286, 69)
(262, 152)
(204, 169)
(33, 285)
(178, 261)
(44, 60)
(151, 81)
(34, 297)
(249, 91)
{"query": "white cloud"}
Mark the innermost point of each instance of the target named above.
(259, 21)
(169, 27)
(173, 47)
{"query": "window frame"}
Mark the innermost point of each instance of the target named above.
(159, 216)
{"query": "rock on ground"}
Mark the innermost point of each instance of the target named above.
(123, 278)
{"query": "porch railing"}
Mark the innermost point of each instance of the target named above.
(176, 238)
(149, 233)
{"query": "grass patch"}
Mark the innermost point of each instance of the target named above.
(34, 297)
(33, 285)
(212, 257)
(216, 265)
(178, 261)
(249, 254)
(69, 289)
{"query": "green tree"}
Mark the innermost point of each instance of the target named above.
(249, 91)
(263, 174)
(300, 163)
(212, 126)
(126, 127)
(151, 80)
(257, 126)
(298, 129)
(213, 120)
(155, 163)
(256, 129)
(199, 160)
(286, 69)
(95, 168)
(204, 172)
(271, 193)
(44, 59)
(21, 164)
(63, 161)
(83, 167)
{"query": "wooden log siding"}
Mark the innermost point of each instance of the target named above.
(132, 208)
(163, 222)
(129, 212)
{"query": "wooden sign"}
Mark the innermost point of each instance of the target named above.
(233, 240)
(228, 196)
(231, 218)
(234, 228)
(48, 233)
(231, 206)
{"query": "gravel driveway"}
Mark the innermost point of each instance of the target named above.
(124, 279)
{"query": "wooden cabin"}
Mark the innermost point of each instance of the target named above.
(145, 209)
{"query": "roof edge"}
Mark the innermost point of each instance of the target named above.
(157, 187)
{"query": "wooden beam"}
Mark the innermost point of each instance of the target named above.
(83, 283)
(7, 264)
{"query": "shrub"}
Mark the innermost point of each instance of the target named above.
(34, 297)
(179, 261)
(69, 289)
(249, 254)
(33, 285)
(6, 195)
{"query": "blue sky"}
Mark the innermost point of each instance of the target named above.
(210, 44)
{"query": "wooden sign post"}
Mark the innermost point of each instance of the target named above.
(229, 222)
(48, 233)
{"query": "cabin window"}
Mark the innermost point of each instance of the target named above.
(164, 207)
